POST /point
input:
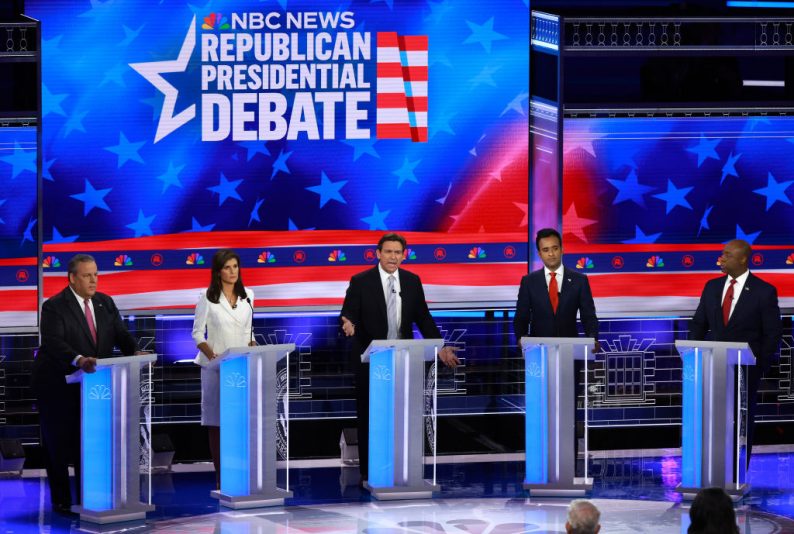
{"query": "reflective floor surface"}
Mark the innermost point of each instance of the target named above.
(634, 494)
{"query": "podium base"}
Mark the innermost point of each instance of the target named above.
(736, 495)
(424, 490)
(132, 512)
(579, 487)
(273, 497)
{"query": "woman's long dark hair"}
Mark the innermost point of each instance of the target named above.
(218, 261)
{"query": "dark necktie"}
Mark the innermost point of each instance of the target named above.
(726, 303)
(554, 294)
(89, 317)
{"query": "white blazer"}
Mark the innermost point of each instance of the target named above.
(224, 327)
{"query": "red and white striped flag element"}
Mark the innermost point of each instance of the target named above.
(402, 86)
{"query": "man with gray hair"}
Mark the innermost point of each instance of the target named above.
(583, 518)
(78, 326)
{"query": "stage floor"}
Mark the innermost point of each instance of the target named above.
(634, 492)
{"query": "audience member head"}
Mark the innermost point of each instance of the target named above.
(225, 270)
(583, 518)
(712, 513)
(83, 275)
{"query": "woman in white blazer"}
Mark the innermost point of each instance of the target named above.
(224, 313)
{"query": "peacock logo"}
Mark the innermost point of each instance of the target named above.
(337, 255)
(50, 262)
(195, 259)
(477, 253)
(584, 263)
(215, 21)
(654, 262)
(122, 260)
(266, 257)
(409, 254)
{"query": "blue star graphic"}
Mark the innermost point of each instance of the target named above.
(328, 190)
(197, 227)
(21, 160)
(155, 102)
(253, 148)
(774, 191)
(125, 150)
(226, 189)
(729, 169)
(171, 177)
(114, 74)
(640, 237)
(483, 34)
(439, 122)
(704, 221)
(485, 77)
(280, 165)
(630, 189)
(92, 198)
(516, 104)
(438, 11)
(51, 103)
(675, 197)
(750, 238)
(389, 3)
(129, 35)
(705, 149)
(74, 122)
(142, 226)
(406, 172)
(376, 220)
(27, 235)
(255, 212)
(58, 238)
(45, 170)
(362, 146)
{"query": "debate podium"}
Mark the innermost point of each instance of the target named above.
(110, 402)
(249, 419)
(396, 426)
(550, 420)
(712, 452)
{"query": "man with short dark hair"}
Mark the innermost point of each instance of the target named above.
(78, 325)
(741, 307)
(549, 298)
(384, 302)
(583, 518)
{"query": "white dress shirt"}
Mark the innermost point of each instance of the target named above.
(559, 272)
(81, 302)
(384, 280)
(737, 289)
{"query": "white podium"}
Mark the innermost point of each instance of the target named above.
(110, 401)
(711, 451)
(550, 420)
(248, 384)
(396, 426)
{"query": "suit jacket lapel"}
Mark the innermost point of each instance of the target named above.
(77, 310)
(228, 307)
(377, 287)
(742, 299)
(543, 291)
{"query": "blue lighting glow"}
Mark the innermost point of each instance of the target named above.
(381, 419)
(692, 415)
(536, 419)
(97, 446)
(753, 3)
(235, 465)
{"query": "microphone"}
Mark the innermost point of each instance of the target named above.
(248, 300)
(393, 291)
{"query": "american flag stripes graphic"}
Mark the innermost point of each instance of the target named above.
(402, 86)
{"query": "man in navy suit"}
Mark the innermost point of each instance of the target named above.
(384, 303)
(78, 325)
(741, 307)
(549, 298)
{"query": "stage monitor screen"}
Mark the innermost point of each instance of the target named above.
(296, 133)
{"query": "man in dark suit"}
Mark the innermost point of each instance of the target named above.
(384, 303)
(549, 298)
(741, 307)
(78, 325)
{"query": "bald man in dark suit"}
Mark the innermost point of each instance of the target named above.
(743, 308)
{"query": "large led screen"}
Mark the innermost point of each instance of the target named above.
(648, 203)
(296, 132)
(18, 227)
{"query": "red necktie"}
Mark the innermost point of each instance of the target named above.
(554, 295)
(726, 303)
(89, 317)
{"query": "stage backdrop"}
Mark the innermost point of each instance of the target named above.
(295, 132)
